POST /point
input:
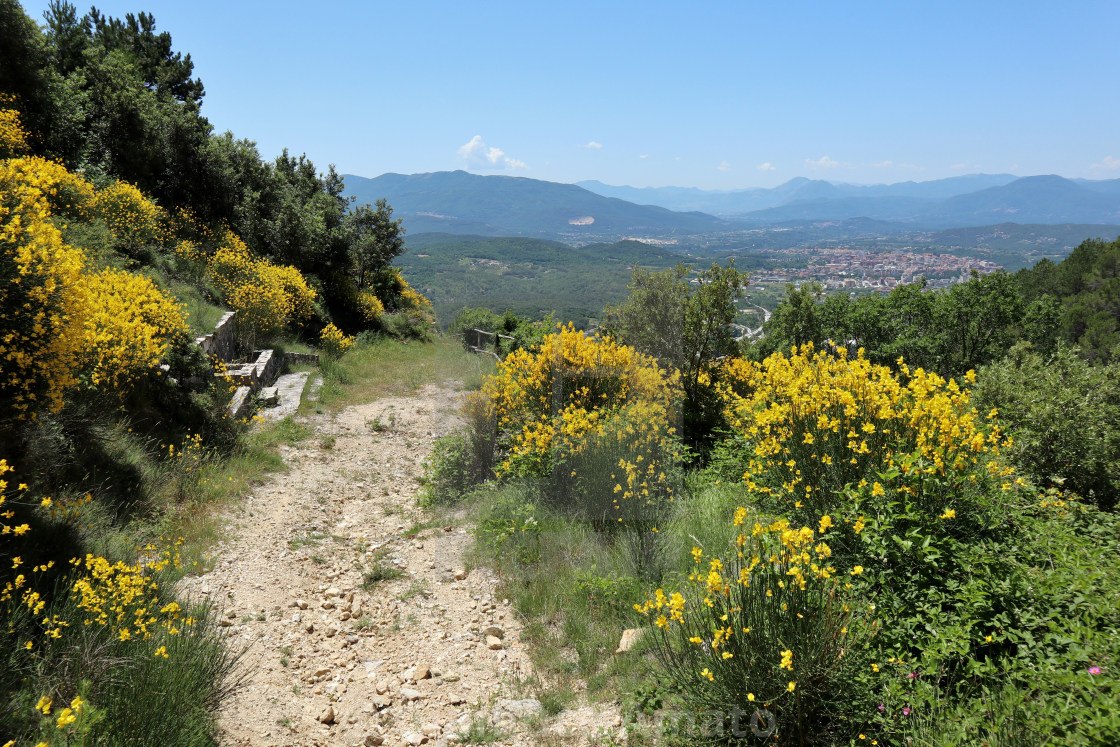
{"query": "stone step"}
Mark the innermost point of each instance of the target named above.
(289, 392)
(239, 405)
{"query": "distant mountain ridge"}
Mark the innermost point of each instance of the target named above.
(958, 201)
(740, 201)
(458, 202)
(461, 202)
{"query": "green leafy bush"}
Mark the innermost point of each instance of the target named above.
(1064, 416)
(462, 459)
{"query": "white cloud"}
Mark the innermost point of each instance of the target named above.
(882, 165)
(724, 166)
(911, 167)
(479, 155)
(765, 166)
(1108, 162)
(644, 156)
(823, 163)
(594, 145)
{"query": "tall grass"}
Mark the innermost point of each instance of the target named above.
(380, 366)
(165, 689)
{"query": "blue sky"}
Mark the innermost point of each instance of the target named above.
(712, 95)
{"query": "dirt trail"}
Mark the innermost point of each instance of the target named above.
(412, 660)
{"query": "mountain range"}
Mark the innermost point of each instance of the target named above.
(459, 202)
(974, 199)
(739, 201)
(463, 203)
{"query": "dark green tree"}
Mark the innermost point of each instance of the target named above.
(24, 75)
(373, 239)
(796, 320)
(978, 321)
(652, 318)
(1062, 413)
(686, 325)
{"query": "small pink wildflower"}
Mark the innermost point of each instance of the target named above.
(1094, 670)
(905, 711)
(882, 707)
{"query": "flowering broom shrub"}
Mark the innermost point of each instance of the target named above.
(403, 311)
(42, 294)
(130, 325)
(103, 618)
(363, 303)
(896, 483)
(621, 476)
(133, 220)
(266, 297)
(816, 429)
(13, 138)
(333, 342)
(369, 306)
(596, 419)
(57, 319)
(67, 193)
(766, 637)
(547, 399)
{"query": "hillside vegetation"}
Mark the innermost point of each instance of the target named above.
(904, 535)
(532, 277)
(889, 521)
(126, 230)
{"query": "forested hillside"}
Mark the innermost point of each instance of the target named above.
(532, 277)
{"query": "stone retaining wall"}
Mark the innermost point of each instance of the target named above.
(222, 342)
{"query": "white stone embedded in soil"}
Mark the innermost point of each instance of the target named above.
(630, 638)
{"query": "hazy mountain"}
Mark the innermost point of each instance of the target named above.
(1032, 199)
(842, 208)
(1108, 186)
(460, 202)
(734, 202)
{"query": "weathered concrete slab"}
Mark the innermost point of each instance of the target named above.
(293, 358)
(266, 365)
(222, 342)
(239, 405)
(289, 392)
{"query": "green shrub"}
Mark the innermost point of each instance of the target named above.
(1064, 417)
(461, 460)
(407, 324)
(510, 530)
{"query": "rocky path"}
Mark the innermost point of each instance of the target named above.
(362, 625)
